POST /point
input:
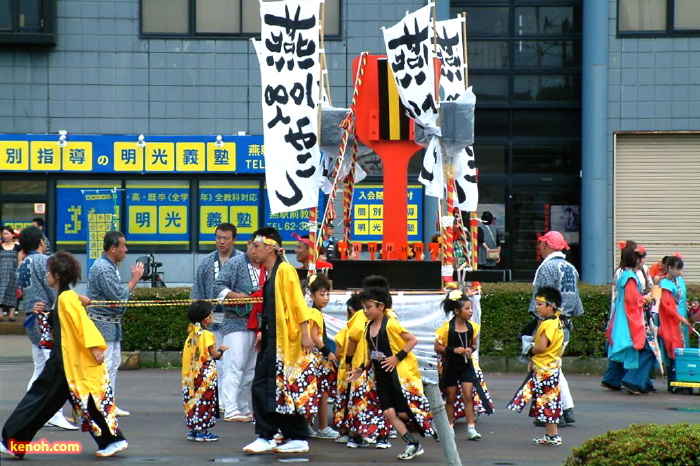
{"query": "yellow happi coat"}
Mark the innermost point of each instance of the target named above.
(409, 376)
(84, 375)
(296, 376)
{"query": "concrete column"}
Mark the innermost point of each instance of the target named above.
(594, 147)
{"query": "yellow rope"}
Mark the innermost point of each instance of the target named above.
(173, 302)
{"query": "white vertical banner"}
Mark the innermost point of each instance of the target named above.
(288, 52)
(452, 87)
(411, 56)
(411, 59)
(465, 181)
(431, 173)
(450, 50)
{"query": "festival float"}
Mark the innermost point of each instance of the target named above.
(415, 97)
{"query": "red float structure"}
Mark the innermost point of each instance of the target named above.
(381, 123)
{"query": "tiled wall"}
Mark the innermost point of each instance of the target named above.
(102, 78)
(653, 85)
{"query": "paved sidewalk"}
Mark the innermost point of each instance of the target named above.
(156, 429)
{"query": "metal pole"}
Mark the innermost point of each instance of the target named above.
(442, 425)
(595, 206)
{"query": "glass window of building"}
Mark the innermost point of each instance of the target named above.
(525, 68)
(215, 18)
(658, 17)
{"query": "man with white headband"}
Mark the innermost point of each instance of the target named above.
(556, 272)
(285, 364)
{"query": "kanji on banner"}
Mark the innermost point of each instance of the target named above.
(465, 181)
(411, 59)
(451, 53)
(288, 53)
(453, 88)
(431, 174)
(100, 207)
(410, 55)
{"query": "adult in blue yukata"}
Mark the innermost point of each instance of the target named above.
(204, 286)
(105, 284)
(556, 272)
(39, 298)
(239, 278)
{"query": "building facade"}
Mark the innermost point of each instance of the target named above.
(184, 72)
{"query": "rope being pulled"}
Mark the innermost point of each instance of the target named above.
(173, 302)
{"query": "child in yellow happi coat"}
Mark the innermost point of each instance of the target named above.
(199, 375)
(319, 289)
(389, 348)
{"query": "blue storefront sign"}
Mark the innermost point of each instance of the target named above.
(368, 213)
(233, 203)
(71, 223)
(288, 223)
(158, 214)
(93, 153)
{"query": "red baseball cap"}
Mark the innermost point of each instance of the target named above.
(554, 240)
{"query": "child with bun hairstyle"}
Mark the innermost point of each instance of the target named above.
(460, 380)
(199, 375)
(541, 386)
(319, 290)
(388, 349)
(341, 412)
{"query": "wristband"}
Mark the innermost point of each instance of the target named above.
(324, 351)
(449, 349)
(473, 348)
(401, 355)
(530, 353)
(348, 359)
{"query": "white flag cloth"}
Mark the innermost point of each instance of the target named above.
(451, 53)
(452, 88)
(328, 164)
(411, 59)
(431, 174)
(288, 53)
(466, 190)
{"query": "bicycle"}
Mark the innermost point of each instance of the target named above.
(150, 271)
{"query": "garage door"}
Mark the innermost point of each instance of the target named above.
(657, 196)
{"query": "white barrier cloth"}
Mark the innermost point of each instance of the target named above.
(421, 315)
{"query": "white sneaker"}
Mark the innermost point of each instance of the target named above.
(121, 412)
(328, 433)
(58, 420)
(472, 434)
(343, 439)
(5, 451)
(260, 445)
(293, 446)
(112, 449)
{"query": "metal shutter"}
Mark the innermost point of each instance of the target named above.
(657, 196)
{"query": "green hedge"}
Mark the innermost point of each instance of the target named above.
(504, 312)
(156, 328)
(645, 444)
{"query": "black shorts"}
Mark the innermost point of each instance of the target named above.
(462, 374)
(388, 390)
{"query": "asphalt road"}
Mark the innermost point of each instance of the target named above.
(156, 428)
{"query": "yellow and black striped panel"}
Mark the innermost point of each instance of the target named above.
(394, 125)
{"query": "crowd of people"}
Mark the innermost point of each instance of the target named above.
(650, 318)
(272, 361)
